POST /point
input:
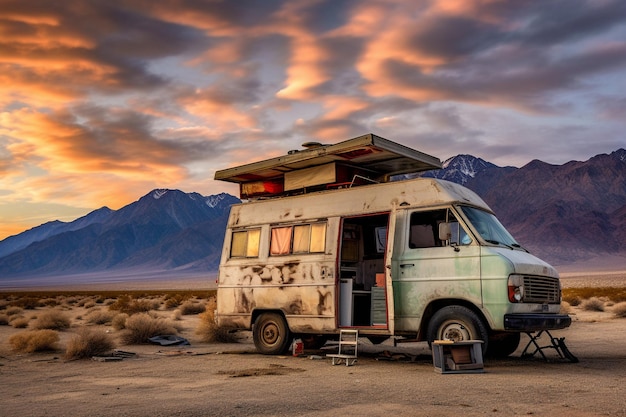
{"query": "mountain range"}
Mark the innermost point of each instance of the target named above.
(563, 213)
(163, 230)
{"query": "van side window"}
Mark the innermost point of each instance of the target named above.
(245, 243)
(281, 240)
(424, 228)
(302, 238)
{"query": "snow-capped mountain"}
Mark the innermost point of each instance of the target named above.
(165, 229)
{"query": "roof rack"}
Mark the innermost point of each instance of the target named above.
(358, 161)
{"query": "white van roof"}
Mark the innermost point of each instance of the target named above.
(368, 199)
(369, 157)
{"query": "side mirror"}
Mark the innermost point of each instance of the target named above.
(445, 233)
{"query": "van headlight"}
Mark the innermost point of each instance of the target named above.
(516, 288)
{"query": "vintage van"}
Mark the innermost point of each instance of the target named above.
(327, 240)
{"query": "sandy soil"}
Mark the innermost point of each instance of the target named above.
(232, 380)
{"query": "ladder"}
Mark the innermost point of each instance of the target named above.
(348, 347)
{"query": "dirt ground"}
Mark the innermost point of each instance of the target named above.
(232, 380)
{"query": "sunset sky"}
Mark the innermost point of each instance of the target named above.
(103, 101)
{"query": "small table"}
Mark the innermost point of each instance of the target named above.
(450, 357)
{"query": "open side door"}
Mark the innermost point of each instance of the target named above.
(391, 228)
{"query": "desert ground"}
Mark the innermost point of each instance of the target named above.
(231, 379)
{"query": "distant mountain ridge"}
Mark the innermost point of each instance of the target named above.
(164, 229)
(562, 213)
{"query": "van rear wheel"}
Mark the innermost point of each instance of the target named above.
(270, 334)
(457, 323)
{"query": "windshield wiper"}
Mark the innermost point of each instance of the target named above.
(495, 242)
(517, 245)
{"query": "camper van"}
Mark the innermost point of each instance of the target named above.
(336, 237)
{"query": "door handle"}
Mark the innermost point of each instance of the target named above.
(406, 265)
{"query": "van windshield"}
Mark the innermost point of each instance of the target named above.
(489, 227)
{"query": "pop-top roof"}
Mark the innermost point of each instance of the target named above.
(369, 154)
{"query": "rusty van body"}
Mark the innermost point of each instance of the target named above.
(326, 242)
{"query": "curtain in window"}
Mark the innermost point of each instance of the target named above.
(254, 238)
(281, 241)
(318, 237)
(301, 239)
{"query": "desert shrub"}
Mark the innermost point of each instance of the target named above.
(14, 311)
(87, 343)
(53, 320)
(189, 307)
(34, 341)
(615, 294)
(49, 302)
(574, 301)
(208, 330)
(19, 322)
(177, 315)
(566, 308)
(27, 303)
(593, 304)
(119, 321)
(71, 301)
(619, 309)
(130, 306)
(4, 320)
(100, 317)
(140, 327)
(175, 300)
(89, 304)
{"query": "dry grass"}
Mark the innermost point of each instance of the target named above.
(593, 304)
(53, 320)
(4, 320)
(142, 326)
(190, 307)
(119, 321)
(87, 343)
(34, 341)
(174, 300)
(575, 296)
(127, 304)
(100, 317)
(14, 311)
(208, 330)
(619, 309)
(19, 322)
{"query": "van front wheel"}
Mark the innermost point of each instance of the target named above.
(270, 334)
(457, 323)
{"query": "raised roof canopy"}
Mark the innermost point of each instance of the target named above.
(365, 159)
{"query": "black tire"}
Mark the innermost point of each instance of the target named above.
(271, 334)
(457, 323)
(502, 344)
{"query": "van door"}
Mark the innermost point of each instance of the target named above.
(430, 269)
(391, 233)
(364, 280)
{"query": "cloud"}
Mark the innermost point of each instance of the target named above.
(98, 97)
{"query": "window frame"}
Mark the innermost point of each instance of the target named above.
(248, 251)
(315, 237)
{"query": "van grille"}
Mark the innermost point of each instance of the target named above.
(542, 290)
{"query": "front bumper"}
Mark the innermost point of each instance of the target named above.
(536, 322)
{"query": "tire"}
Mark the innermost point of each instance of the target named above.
(457, 323)
(271, 334)
(502, 344)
